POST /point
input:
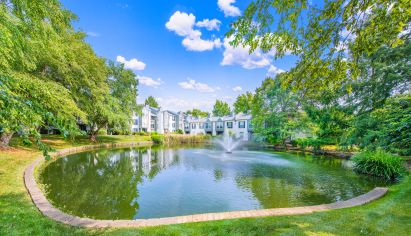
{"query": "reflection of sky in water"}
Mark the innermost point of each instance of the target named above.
(143, 183)
(246, 156)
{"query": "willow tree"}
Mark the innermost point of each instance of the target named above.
(28, 98)
(328, 37)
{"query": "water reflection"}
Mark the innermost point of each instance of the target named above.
(102, 184)
(158, 182)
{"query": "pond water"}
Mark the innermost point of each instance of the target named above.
(150, 182)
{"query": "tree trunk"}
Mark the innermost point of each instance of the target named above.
(5, 139)
(93, 135)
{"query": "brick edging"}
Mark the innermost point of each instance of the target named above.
(50, 211)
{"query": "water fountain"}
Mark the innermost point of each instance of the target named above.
(228, 143)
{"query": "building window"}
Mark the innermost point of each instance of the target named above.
(230, 125)
(201, 125)
(186, 126)
(174, 118)
(220, 125)
(241, 124)
(250, 126)
(207, 125)
(136, 122)
(152, 126)
(174, 125)
(193, 125)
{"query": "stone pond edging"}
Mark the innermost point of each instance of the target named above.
(47, 209)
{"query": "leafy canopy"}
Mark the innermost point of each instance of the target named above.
(151, 102)
(328, 37)
(197, 113)
(221, 108)
(244, 103)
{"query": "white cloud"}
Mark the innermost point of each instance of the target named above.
(237, 89)
(132, 64)
(240, 56)
(180, 104)
(93, 34)
(182, 24)
(193, 85)
(148, 81)
(273, 70)
(227, 7)
(199, 45)
(213, 24)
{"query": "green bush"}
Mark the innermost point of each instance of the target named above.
(157, 138)
(315, 143)
(179, 131)
(141, 133)
(102, 132)
(379, 163)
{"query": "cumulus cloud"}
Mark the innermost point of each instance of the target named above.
(148, 81)
(240, 56)
(132, 64)
(180, 104)
(213, 24)
(237, 89)
(183, 25)
(194, 85)
(273, 70)
(227, 7)
(198, 44)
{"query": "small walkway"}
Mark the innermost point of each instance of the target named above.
(50, 211)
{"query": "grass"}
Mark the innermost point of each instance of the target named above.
(390, 215)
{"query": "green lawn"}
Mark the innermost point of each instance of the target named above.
(390, 215)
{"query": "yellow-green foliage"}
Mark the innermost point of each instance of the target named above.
(185, 138)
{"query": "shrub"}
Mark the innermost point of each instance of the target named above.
(315, 143)
(179, 131)
(157, 138)
(102, 132)
(379, 163)
(141, 133)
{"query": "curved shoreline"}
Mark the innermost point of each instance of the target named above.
(47, 209)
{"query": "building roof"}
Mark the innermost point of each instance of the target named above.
(239, 116)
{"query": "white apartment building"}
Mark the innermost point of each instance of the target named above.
(238, 125)
(164, 121)
(148, 121)
(170, 121)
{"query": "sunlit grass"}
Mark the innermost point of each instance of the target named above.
(390, 215)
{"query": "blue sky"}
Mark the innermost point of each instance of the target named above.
(180, 58)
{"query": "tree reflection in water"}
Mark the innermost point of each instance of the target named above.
(108, 180)
(152, 182)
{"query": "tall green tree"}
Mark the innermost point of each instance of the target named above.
(244, 103)
(275, 112)
(151, 102)
(329, 37)
(27, 30)
(221, 108)
(117, 108)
